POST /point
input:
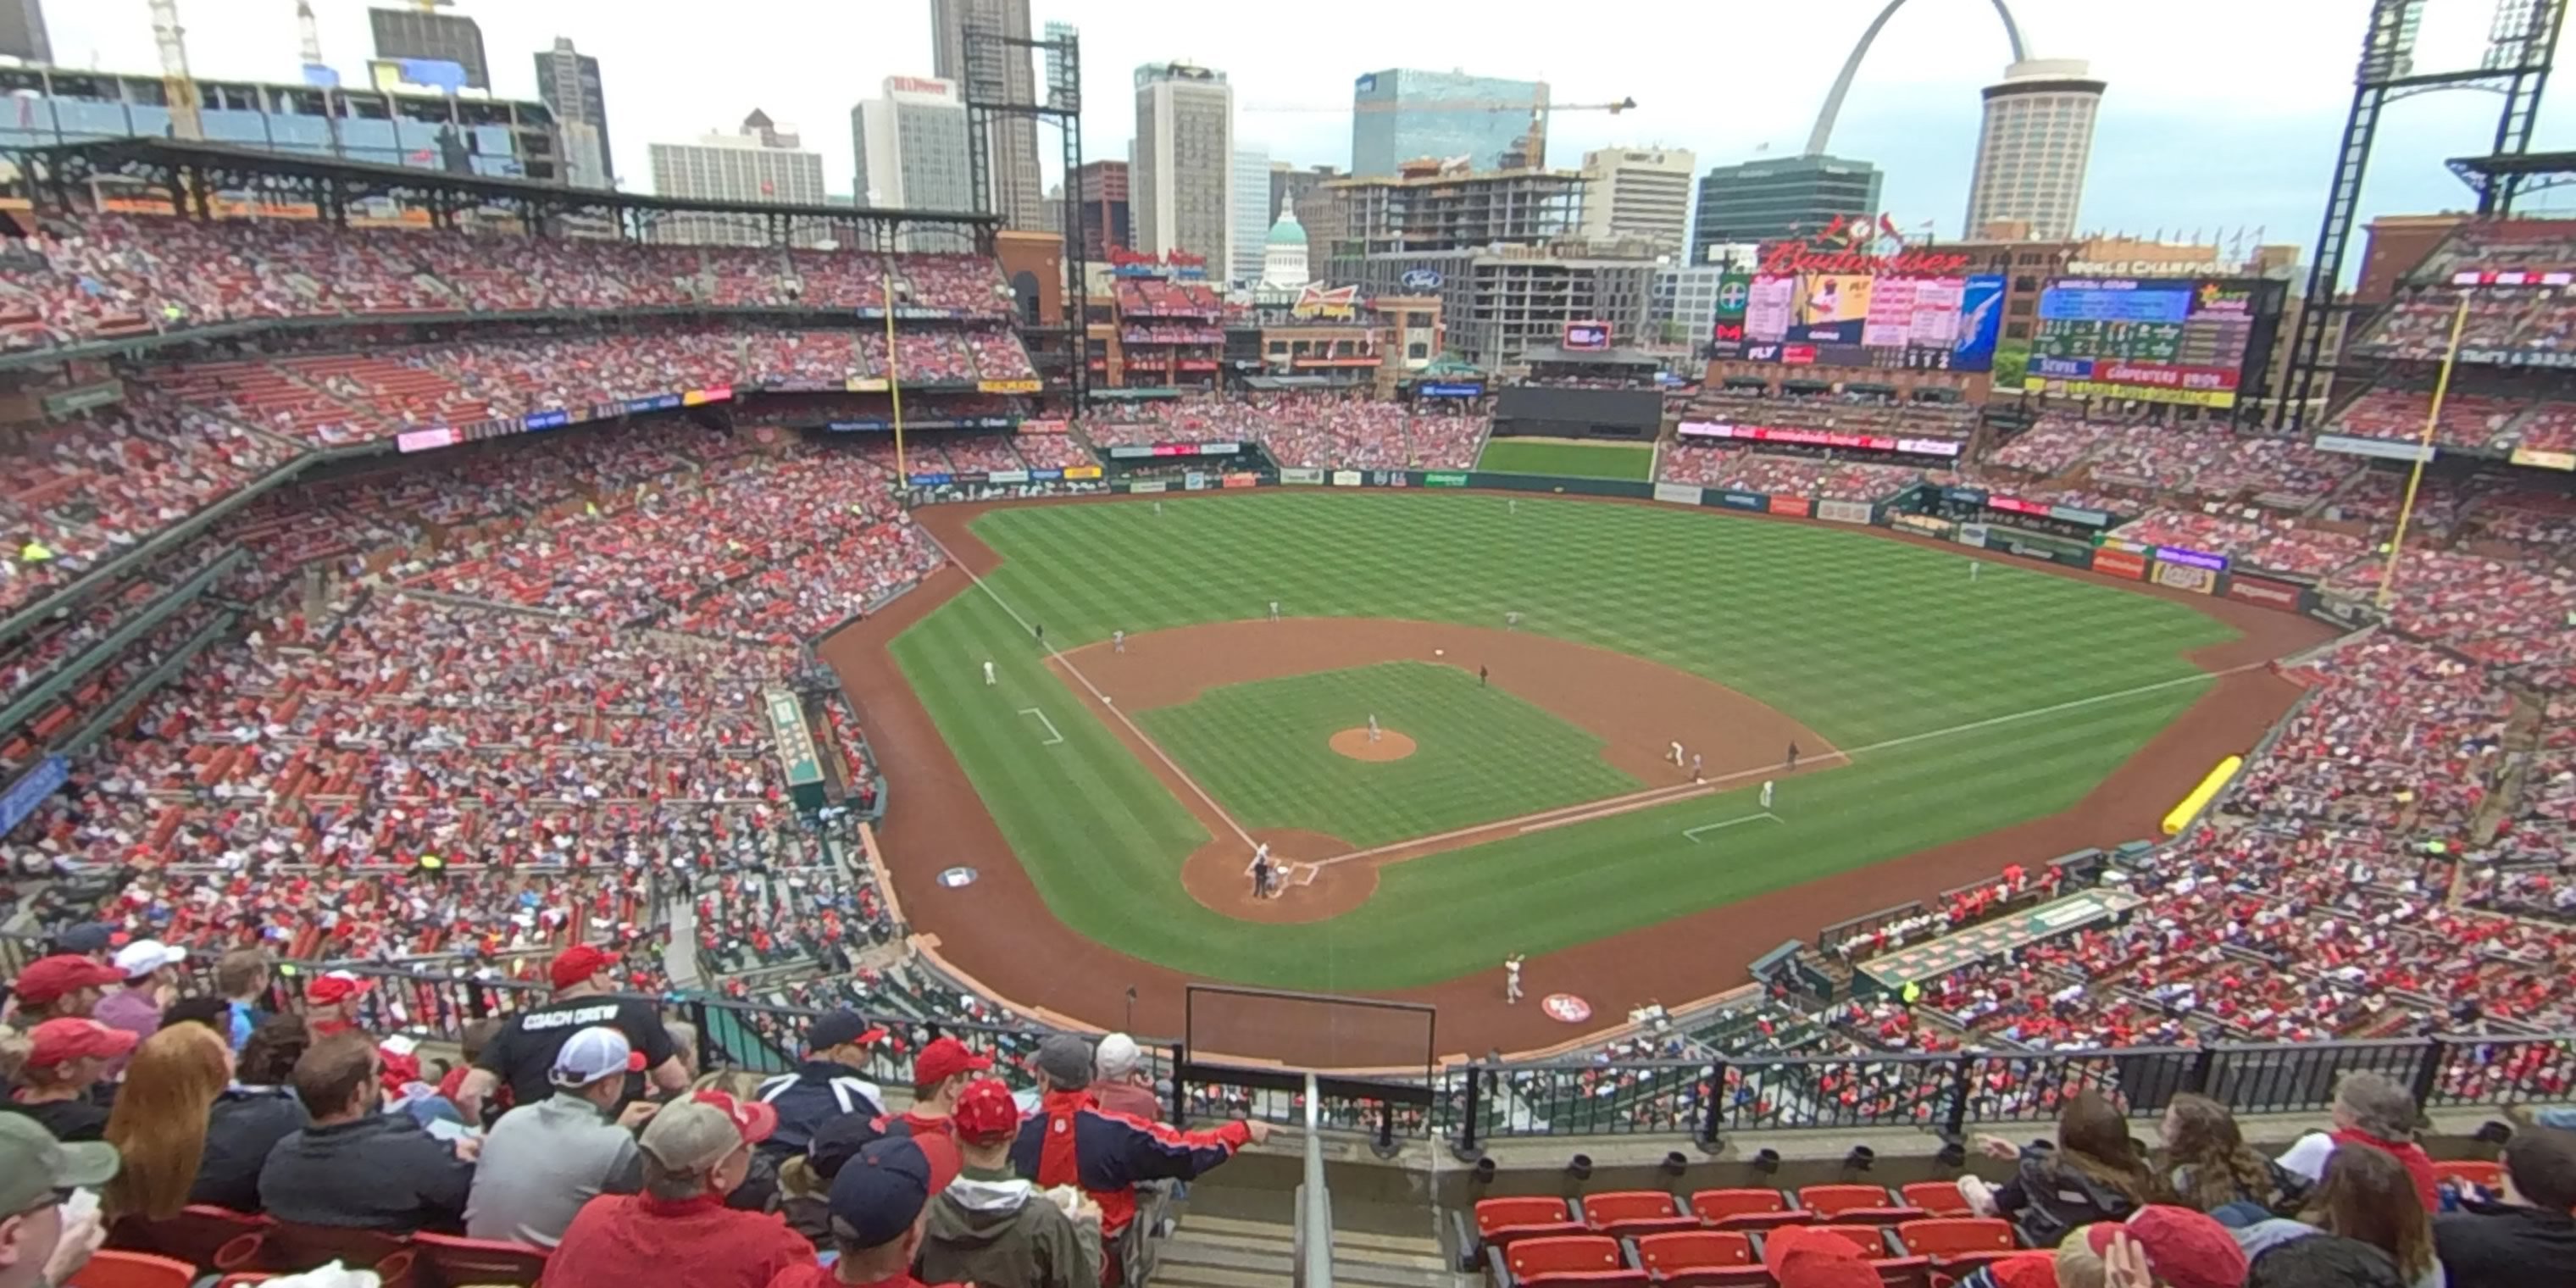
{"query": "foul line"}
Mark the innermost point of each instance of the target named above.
(1692, 833)
(1093, 689)
(1053, 737)
(1684, 791)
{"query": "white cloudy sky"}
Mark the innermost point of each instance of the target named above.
(2220, 114)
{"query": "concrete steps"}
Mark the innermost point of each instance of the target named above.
(1224, 1252)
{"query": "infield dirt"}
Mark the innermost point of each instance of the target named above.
(1002, 934)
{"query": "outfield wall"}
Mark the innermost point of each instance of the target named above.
(2198, 572)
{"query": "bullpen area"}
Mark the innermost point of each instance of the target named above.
(1528, 664)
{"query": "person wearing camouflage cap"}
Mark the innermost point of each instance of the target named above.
(39, 1246)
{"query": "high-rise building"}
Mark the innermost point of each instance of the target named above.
(1431, 207)
(568, 84)
(1776, 200)
(22, 31)
(911, 153)
(987, 71)
(1182, 183)
(1100, 188)
(1250, 229)
(429, 34)
(1639, 192)
(758, 163)
(2036, 142)
(1401, 115)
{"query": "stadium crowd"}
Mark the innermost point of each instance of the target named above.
(1314, 429)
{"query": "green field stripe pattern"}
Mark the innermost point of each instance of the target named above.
(1262, 749)
(1863, 639)
(1571, 460)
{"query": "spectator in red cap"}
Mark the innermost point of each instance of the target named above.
(61, 987)
(827, 1085)
(992, 1227)
(1802, 1258)
(522, 1055)
(679, 1231)
(939, 1075)
(65, 1060)
(331, 1002)
(880, 1205)
(2184, 1249)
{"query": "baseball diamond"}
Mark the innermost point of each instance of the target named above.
(1944, 727)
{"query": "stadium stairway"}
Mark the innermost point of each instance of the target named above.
(1228, 1252)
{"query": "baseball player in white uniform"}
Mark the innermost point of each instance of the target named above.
(1512, 978)
(1117, 641)
(988, 672)
(1274, 610)
(1695, 774)
(1766, 793)
(1677, 755)
(1372, 726)
(1261, 852)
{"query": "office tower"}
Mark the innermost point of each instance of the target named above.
(1401, 115)
(428, 34)
(2032, 151)
(568, 84)
(1777, 200)
(1182, 182)
(758, 163)
(1249, 230)
(911, 153)
(1639, 192)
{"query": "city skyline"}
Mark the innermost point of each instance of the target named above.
(2194, 134)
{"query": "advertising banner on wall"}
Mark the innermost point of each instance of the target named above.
(1302, 474)
(1744, 500)
(1843, 511)
(1082, 471)
(2119, 563)
(1241, 480)
(2264, 591)
(1346, 478)
(1444, 478)
(1972, 534)
(1143, 488)
(1677, 493)
(1794, 505)
(1925, 524)
(2198, 580)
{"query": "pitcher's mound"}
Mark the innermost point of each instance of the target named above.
(1355, 744)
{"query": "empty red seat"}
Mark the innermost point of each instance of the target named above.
(1940, 1198)
(1701, 1259)
(1569, 1261)
(1627, 1214)
(1958, 1244)
(1855, 1203)
(1502, 1222)
(1746, 1209)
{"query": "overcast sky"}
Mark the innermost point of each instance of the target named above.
(2220, 113)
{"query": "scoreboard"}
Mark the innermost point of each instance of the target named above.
(2199, 341)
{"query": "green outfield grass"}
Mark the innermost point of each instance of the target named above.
(1262, 749)
(1569, 460)
(1930, 680)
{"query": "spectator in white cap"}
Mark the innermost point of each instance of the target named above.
(1123, 1085)
(542, 1162)
(151, 970)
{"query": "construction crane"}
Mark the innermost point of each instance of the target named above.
(176, 84)
(1528, 152)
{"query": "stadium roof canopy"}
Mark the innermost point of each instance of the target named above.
(2510, 175)
(190, 171)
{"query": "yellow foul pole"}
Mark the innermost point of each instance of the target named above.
(894, 377)
(2415, 476)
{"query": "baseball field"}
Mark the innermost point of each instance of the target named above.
(1528, 665)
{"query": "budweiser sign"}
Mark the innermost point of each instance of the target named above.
(1859, 246)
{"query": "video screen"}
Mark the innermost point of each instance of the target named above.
(1864, 320)
(2174, 340)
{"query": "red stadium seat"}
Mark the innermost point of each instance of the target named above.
(112, 1269)
(1747, 1209)
(1701, 1259)
(1957, 1245)
(480, 1262)
(1569, 1261)
(1627, 1214)
(2486, 1176)
(1939, 1198)
(205, 1236)
(1854, 1203)
(1503, 1222)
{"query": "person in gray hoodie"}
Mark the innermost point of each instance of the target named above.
(993, 1229)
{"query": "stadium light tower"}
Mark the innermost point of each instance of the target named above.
(2521, 43)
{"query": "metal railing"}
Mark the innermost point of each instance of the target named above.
(1469, 1104)
(1314, 1236)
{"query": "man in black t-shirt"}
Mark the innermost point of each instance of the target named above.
(522, 1054)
